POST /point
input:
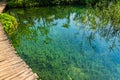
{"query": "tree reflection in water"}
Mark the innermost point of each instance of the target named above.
(67, 43)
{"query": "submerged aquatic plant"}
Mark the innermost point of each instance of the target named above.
(57, 50)
(9, 22)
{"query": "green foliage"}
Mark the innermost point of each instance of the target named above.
(31, 3)
(9, 22)
(26, 3)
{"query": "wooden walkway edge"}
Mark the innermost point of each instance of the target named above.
(12, 67)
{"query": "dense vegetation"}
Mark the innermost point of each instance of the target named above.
(9, 22)
(25, 3)
(31, 3)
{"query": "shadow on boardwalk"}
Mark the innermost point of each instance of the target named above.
(2, 6)
(12, 67)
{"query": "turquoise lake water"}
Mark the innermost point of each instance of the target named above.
(56, 44)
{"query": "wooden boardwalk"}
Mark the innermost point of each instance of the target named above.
(2, 6)
(12, 67)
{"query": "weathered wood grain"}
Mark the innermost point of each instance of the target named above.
(12, 67)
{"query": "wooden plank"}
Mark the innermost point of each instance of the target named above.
(13, 73)
(28, 75)
(12, 67)
(10, 63)
(23, 76)
(16, 75)
(32, 77)
(3, 38)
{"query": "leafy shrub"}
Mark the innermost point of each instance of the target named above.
(9, 22)
(30, 3)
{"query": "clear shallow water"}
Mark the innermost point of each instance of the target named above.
(58, 46)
